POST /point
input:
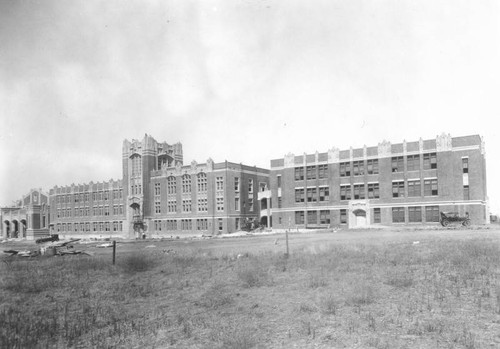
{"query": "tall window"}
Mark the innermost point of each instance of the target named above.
(171, 185)
(236, 184)
(466, 192)
(432, 213)
(413, 162)
(299, 173)
(373, 191)
(186, 205)
(278, 178)
(220, 204)
(312, 195)
(376, 215)
(398, 214)
(414, 188)
(372, 166)
(312, 217)
(358, 168)
(171, 206)
(186, 183)
(324, 193)
(280, 202)
(345, 169)
(415, 214)
(202, 182)
(311, 172)
(398, 164)
(359, 191)
(157, 188)
(219, 183)
(345, 192)
(237, 204)
(465, 165)
(250, 204)
(299, 195)
(324, 217)
(430, 161)
(398, 189)
(430, 187)
(250, 185)
(299, 217)
(322, 171)
(202, 205)
(136, 166)
(343, 216)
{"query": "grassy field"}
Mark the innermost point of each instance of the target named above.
(367, 289)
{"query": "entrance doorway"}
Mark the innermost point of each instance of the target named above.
(360, 218)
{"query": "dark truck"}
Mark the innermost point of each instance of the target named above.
(51, 238)
(454, 217)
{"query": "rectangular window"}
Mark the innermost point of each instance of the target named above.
(157, 206)
(237, 204)
(186, 205)
(432, 213)
(414, 188)
(322, 171)
(299, 195)
(250, 204)
(345, 169)
(186, 183)
(359, 191)
(311, 172)
(279, 181)
(202, 205)
(373, 191)
(465, 165)
(220, 204)
(236, 184)
(398, 214)
(376, 215)
(324, 217)
(299, 173)
(312, 195)
(358, 168)
(415, 214)
(312, 217)
(343, 216)
(221, 224)
(466, 192)
(398, 164)
(202, 182)
(324, 193)
(372, 166)
(430, 187)
(398, 189)
(250, 185)
(430, 161)
(413, 162)
(345, 192)
(299, 217)
(219, 183)
(171, 185)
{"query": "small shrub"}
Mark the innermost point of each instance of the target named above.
(329, 305)
(217, 296)
(251, 276)
(138, 263)
(316, 281)
(362, 294)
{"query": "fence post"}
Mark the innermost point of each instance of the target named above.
(114, 251)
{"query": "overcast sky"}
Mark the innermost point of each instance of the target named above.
(243, 81)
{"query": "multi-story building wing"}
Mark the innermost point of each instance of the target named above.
(405, 183)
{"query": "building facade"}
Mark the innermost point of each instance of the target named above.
(388, 184)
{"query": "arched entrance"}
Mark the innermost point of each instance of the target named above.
(23, 228)
(263, 221)
(360, 218)
(138, 223)
(7, 228)
(15, 229)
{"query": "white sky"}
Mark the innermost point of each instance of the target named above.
(244, 81)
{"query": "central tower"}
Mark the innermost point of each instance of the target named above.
(139, 159)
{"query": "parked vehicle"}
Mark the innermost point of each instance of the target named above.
(454, 217)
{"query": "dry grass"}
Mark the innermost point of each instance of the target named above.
(441, 294)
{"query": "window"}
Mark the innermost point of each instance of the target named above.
(171, 206)
(219, 183)
(398, 214)
(221, 224)
(376, 215)
(186, 183)
(220, 204)
(236, 184)
(202, 182)
(465, 165)
(345, 192)
(312, 217)
(415, 214)
(413, 162)
(343, 216)
(299, 217)
(414, 188)
(373, 191)
(358, 168)
(430, 161)
(359, 191)
(324, 193)
(250, 204)
(312, 195)
(171, 185)
(432, 213)
(299, 173)
(398, 164)
(299, 195)
(430, 187)
(372, 166)
(324, 217)
(250, 185)
(202, 205)
(345, 169)
(322, 171)
(278, 178)
(398, 189)
(311, 172)
(466, 192)
(157, 206)
(186, 205)
(237, 204)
